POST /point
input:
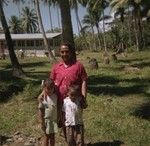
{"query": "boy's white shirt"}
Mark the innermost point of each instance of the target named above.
(50, 106)
(73, 112)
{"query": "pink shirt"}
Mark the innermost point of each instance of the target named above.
(64, 76)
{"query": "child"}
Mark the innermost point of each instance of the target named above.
(73, 117)
(48, 112)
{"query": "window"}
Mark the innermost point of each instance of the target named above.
(30, 43)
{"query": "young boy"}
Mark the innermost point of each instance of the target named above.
(48, 112)
(73, 117)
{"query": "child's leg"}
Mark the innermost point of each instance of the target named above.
(52, 139)
(46, 140)
(70, 136)
(79, 134)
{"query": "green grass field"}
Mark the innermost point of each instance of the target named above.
(118, 99)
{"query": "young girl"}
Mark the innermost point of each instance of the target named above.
(73, 117)
(48, 112)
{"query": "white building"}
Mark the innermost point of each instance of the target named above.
(31, 44)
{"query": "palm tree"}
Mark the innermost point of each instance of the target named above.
(96, 5)
(89, 23)
(67, 31)
(138, 23)
(43, 31)
(120, 11)
(17, 69)
(15, 25)
(138, 6)
(29, 20)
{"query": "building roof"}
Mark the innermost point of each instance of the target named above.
(30, 36)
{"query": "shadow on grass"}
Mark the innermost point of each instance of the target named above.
(109, 86)
(34, 64)
(94, 80)
(38, 75)
(116, 90)
(114, 143)
(142, 111)
(6, 94)
(9, 85)
(128, 61)
(141, 64)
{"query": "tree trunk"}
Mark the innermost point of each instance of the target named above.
(93, 39)
(50, 17)
(140, 33)
(136, 32)
(105, 47)
(43, 31)
(67, 31)
(17, 69)
(139, 38)
(98, 32)
(59, 24)
(79, 25)
(77, 21)
(129, 21)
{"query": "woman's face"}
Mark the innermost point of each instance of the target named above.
(65, 53)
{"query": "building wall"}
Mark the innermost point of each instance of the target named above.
(33, 47)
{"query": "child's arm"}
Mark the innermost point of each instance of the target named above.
(41, 115)
(41, 111)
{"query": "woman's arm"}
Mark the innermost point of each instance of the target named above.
(84, 94)
(84, 89)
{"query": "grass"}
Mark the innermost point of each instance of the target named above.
(118, 98)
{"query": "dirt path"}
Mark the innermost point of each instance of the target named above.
(20, 140)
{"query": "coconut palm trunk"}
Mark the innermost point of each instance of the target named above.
(77, 21)
(138, 28)
(104, 39)
(79, 25)
(50, 17)
(67, 31)
(43, 31)
(129, 21)
(58, 17)
(17, 69)
(140, 33)
(98, 34)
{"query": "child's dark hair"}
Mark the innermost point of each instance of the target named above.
(74, 89)
(48, 82)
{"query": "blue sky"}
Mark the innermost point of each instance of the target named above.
(12, 9)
